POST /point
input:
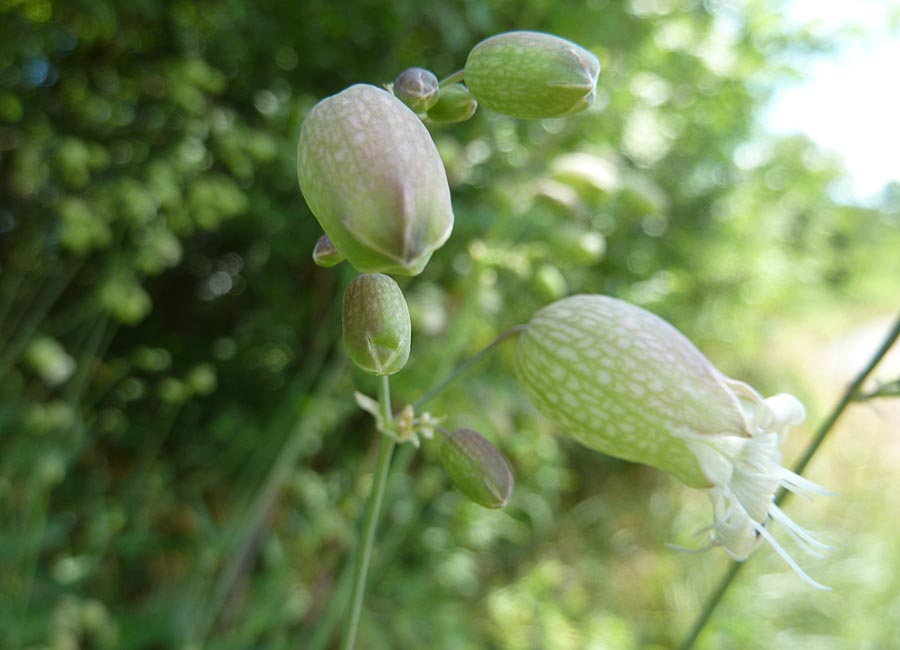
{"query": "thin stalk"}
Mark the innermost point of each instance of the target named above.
(370, 522)
(456, 374)
(323, 633)
(456, 77)
(890, 389)
(334, 608)
(853, 390)
(849, 396)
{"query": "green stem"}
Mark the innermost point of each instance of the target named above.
(370, 522)
(456, 374)
(322, 635)
(849, 396)
(890, 389)
(456, 77)
(824, 429)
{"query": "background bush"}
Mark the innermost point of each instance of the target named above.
(181, 461)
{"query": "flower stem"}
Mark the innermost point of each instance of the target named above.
(456, 77)
(370, 521)
(851, 394)
(453, 376)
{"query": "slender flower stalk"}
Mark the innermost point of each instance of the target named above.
(454, 78)
(370, 522)
(471, 361)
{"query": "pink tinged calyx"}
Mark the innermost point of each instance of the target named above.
(373, 178)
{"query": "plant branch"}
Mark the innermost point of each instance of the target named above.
(322, 635)
(456, 77)
(851, 394)
(456, 374)
(370, 521)
(890, 389)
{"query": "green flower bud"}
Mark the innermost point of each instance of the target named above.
(373, 178)
(417, 88)
(532, 75)
(325, 254)
(478, 469)
(455, 104)
(376, 324)
(623, 381)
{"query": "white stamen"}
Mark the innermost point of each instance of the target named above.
(800, 535)
(787, 558)
(802, 486)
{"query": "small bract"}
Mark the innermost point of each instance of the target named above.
(373, 178)
(532, 75)
(325, 254)
(376, 324)
(625, 382)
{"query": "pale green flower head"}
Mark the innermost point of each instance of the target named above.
(532, 75)
(373, 178)
(625, 382)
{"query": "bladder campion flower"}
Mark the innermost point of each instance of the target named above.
(373, 178)
(625, 382)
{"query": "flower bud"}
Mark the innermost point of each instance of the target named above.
(455, 104)
(376, 324)
(417, 88)
(532, 75)
(325, 254)
(623, 381)
(478, 469)
(373, 178)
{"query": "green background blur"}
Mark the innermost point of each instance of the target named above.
(181, 461)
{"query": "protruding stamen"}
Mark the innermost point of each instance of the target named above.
(800, 535)
(787, 558)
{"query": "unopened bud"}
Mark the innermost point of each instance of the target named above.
(455, 104)
(478, 469)
(532, 75)
(373, 178)
(376, 324)
(325, 254)
(417, 88)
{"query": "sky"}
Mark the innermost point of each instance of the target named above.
(849, 101)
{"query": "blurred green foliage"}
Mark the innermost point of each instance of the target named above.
(181, 461)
